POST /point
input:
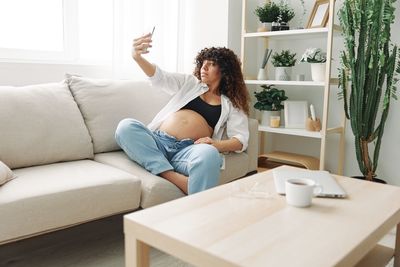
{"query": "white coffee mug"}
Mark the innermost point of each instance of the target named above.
(299, 192)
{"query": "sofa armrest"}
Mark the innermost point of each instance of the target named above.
(252, 149)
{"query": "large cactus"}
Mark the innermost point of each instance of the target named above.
(369, 64)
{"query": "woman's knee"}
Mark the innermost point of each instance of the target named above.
(208, 155)
(126, 127)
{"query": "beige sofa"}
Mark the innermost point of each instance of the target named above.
(58, 139)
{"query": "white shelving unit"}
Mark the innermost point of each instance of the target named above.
(302, 34)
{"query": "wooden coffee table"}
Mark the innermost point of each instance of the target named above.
(245, 223)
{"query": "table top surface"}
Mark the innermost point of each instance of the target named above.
(246, 223)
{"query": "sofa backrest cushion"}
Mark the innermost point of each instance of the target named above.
(104, 103)
(41, 124)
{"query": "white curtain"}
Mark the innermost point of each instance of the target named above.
(133, 18)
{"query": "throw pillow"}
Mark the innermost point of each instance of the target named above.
(5, 174)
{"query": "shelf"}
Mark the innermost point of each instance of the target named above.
(300, 132)
(297, 132)
(378, 256)
(300, 33)
(338, 130)
(275, 82)
(334, 81)
(293, 34)
(304, 161)
(251, 40)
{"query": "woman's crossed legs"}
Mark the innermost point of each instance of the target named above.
(191, 167)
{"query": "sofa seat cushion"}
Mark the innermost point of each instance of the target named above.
(155, 190)
(104, 103)
(48, 197)
(41, 124)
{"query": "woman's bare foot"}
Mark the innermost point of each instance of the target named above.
(177, 179)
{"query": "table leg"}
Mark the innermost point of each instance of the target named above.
(397, 248)
(136, 252)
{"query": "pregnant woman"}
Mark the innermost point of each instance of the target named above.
(183, 142)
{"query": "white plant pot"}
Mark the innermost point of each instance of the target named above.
(266, 114)
(265, 27)
(318, 72)
(283, 73)
(262, 74)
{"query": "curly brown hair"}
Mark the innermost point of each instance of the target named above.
(232, 84)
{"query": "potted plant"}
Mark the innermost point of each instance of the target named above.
(267, 14)
(283, 63)
(317, 58)
(269, 102)
(369, 66)
(286, 14)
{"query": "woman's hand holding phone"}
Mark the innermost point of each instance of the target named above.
(141, 45)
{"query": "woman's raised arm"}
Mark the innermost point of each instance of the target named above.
(140, 46)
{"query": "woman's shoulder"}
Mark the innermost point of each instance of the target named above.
(226, 99)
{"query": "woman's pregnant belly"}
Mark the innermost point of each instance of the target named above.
(186, 123)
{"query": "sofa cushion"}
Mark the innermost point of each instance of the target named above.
(236, 166)
(5, 173)
(45, 198)
(155, 190)
(104, 103)
(41, 124)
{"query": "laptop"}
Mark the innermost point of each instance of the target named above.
(330, 188)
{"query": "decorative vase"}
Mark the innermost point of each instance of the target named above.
(266, 114)
(262, 28)
(275, 26)
(283, 73)
(265, 27)
(284, 26)
(262, 74)
(318, 72)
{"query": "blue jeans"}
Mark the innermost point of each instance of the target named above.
(158, 152)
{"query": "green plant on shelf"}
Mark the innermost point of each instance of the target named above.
(284, 59)
(286, 13)
(270, 98)
(269, 12)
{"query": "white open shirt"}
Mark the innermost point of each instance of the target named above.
(185, 88)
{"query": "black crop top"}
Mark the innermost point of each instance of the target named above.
(210, 113)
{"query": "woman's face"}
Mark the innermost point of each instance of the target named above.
(210, 72)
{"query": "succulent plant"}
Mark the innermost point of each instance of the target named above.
(369, 65)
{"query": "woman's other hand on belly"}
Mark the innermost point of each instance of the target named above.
(204, 140)
(229, 145)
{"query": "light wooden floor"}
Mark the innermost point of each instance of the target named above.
(95, 244)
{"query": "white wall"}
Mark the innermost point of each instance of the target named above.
(201, 27)
(18, 74)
